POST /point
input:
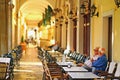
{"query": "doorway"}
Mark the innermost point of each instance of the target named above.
(109, 38)
(107, 35)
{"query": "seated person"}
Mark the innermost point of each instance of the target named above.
(101, 62)
(66, 52)
(55, 47)
(88, 62)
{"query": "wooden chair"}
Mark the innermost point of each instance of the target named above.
(51, 71)
(110, 69)
(11, 65)
(55, 71)
(116, 74)
(46, 73)
(4, 71)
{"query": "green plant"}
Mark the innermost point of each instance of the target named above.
(47, 16)
(22, 39)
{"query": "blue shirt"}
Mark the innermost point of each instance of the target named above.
(100, 63)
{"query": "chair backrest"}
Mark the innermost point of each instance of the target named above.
(111, 67)
(117, 72)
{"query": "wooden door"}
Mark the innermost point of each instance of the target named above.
(86, 35)
(74, 38)
(110, 39)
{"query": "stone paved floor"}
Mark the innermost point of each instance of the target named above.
(30, 66)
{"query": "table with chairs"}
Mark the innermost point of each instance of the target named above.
(8, 61)
(5, 68)
(67, 64)
(54, 67)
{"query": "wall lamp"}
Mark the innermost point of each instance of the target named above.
(85, 9)
(82, 9)
(117, 2)
(61, 18)
(70, 14)
(93, 11)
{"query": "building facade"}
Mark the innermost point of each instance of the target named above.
(73, 30)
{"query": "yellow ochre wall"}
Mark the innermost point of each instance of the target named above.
(104, 6)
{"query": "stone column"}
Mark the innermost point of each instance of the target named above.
(63, 36)
(79, 30)
(70, 35)
(10, 28)
(70, 30)
(5, 25)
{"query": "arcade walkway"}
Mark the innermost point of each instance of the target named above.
(30, 66)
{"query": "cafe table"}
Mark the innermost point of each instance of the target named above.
(82, 76)
(5, 60)
(74, 69)
(65, 64)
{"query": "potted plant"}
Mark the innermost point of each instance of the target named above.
(23, 44)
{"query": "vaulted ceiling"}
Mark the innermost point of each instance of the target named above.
(32, 10)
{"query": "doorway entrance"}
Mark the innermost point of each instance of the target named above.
(107, 35)
(109, 38)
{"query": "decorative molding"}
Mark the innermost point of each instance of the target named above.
(108, 13)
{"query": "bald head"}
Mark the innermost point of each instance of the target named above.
(102, 50)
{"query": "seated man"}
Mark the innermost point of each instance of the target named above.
(55, 47)
(101, 62)
(88, 63)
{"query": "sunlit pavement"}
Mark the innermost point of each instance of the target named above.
(30, 67)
